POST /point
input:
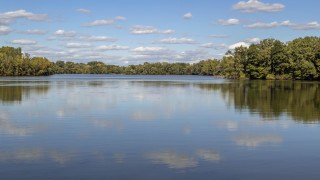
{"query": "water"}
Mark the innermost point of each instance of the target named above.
(158, 127)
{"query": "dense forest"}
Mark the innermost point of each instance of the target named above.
(270, 59)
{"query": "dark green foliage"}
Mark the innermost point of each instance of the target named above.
(14, 63)
(273, 59)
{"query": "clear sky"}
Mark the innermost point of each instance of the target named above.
(135, 31)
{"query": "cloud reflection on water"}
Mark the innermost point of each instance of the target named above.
(172, 159)
(209, 155)
(37, 154)
(9, 128)
(178, 161)
(187, 130)
(177, 116)
(106, 123)
(255, 140)
(229, 125)
(62, 157)
(143, 116)
(119, 157)
(23, 154)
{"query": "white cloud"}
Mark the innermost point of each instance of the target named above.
(221, 46)
(137, 29)
(152, 51)
(219, 36)
(4, 30)
(306, 26)
(61, 53)
(34, 47)
(103, 22)
(263, 25)
(9, 17)
(252, 40)
(65, 34)
(239, 44)
(302, 26)
(77, 45)
(86, 52)
(211, 45)
(256, 6)
(23, 42)
(110, 47)
(195, 55)
(82, 52)
(228, 22)
(120, 18)
(160, 54)
(96, 38)
(35, 31)
(71, 51)
(187, 16)
(207, 45)
(87, 38)
(51, 38)
(175, 41)
(77, 54)
(42, 53)
(67, 38)
(83, 10)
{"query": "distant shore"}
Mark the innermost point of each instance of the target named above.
(270, 60)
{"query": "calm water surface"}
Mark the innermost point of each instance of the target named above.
(158, 127)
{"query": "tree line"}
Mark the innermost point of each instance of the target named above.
(270, 59)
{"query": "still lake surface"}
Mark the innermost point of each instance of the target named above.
(158, 127)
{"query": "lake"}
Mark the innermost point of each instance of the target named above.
(158, 127)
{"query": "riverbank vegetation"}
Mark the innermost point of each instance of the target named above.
(270, 59)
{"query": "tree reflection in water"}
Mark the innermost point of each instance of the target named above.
(271, 99)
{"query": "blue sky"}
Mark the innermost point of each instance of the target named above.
(131, 32)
